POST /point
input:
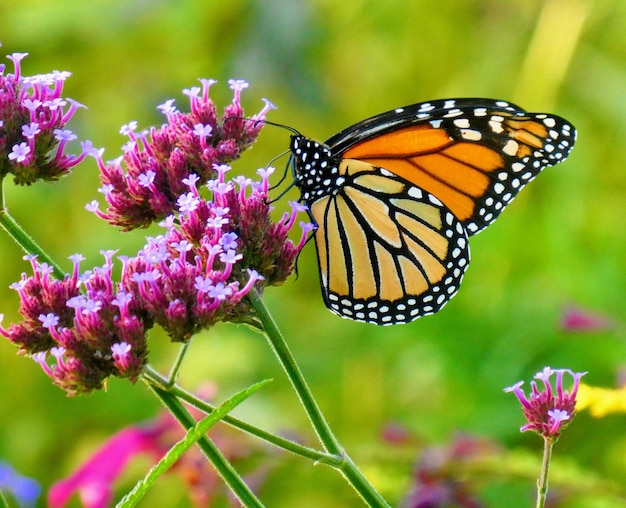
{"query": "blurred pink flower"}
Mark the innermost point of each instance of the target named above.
(577, 319)
(95, 479)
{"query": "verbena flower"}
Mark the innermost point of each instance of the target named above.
(87, 327)
(81, 323)
(33, 117)
(211, 256)
(145, 183)
(549, 411)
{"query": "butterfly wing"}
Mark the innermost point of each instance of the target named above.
(395, 197)
(388, 252)
(475, 155)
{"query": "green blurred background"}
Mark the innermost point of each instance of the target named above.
(327, 65)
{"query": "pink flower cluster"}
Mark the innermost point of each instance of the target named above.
(85, 322)
(88, 327)
(144, 184)
(213, 252)
(33, 115)
(549, 411)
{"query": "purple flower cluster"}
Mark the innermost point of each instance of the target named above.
(88, 327)
(33, 115)
(189, 278)
(85, 322)
(441, 477)
(23, 489)
(211, 256)
(548, 412)
(144, 184)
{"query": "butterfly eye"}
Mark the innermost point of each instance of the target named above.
(396, 196)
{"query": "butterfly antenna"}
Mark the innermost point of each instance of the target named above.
(295, 132)
(256, 121)
(285, 191)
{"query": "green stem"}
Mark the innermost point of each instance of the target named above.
(286, 359)
(352, 474)
(542, 483)
(153, 377)
(24, 240)
(171, 381)
(220, 463)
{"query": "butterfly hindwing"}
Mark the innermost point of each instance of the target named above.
(388, 252)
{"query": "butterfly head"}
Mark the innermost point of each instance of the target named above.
(315, 169)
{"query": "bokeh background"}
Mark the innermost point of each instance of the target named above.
(326, 65)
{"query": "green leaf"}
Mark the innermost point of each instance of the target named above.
(193, 435)
(3, 501)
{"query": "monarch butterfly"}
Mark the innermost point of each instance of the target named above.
(396, 196)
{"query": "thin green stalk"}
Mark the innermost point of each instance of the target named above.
(26, 242)
(171, 381)
(542, 483)
(220, 463)
(352, 474)
(153, 377)
(282, 352)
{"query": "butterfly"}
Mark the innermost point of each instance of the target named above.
(396, 196)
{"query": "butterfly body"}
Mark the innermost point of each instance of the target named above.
(396, 196)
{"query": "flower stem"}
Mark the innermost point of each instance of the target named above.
(542, 483)
(153, 377)
(24, 240)
(328, 440)
(171, 381)
(221, 464)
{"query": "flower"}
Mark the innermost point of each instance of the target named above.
(25, 490)
(548, 412)
(81, 323)
(601, 401)
(94, 481)
(88, 326)
(145, 183)
(442, 476)
(576, 319)
(33, 115)
(211, 255)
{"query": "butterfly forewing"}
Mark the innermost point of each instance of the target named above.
(475, 155)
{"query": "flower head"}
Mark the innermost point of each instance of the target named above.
(145, 184)
(88, 326)
(33, 115)
(72, 327)
(549, 411)
(214, 252)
